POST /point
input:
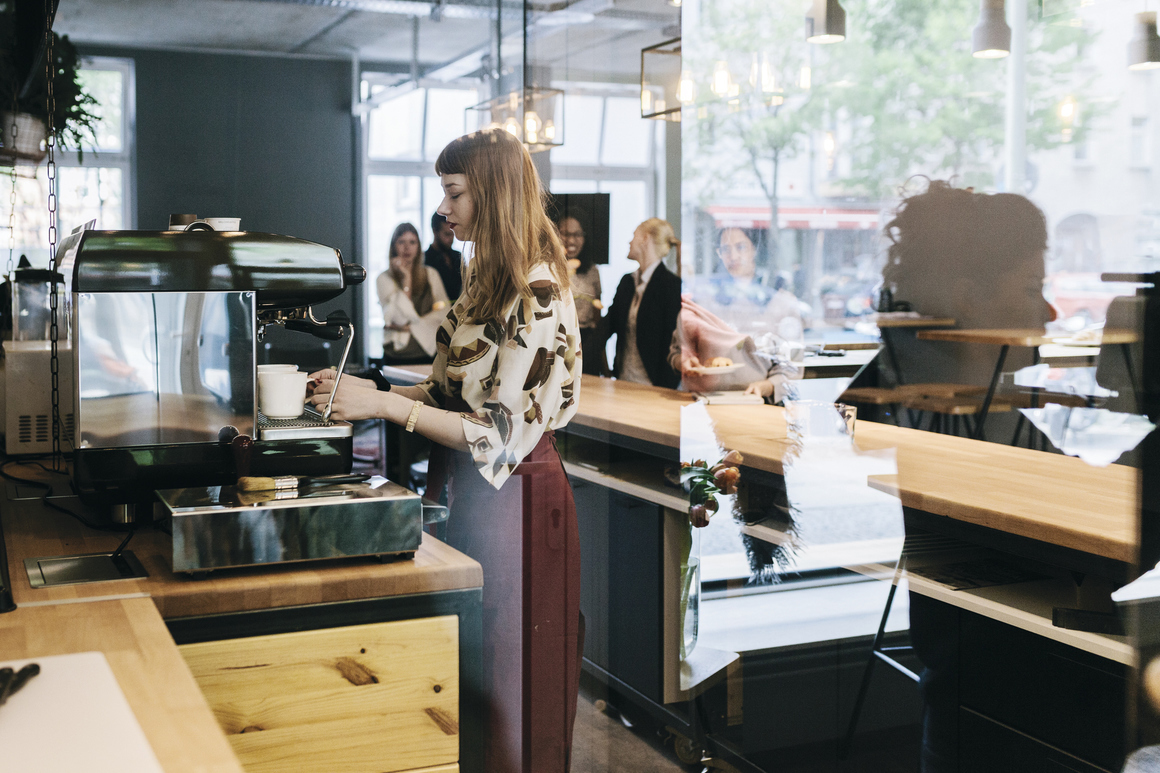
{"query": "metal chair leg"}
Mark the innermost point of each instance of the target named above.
(875, 649)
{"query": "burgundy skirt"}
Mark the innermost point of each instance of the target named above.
(525, 537)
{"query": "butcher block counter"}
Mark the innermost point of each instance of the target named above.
(1051, 498)
(292, 661)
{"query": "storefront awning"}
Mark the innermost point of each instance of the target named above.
(801, 218)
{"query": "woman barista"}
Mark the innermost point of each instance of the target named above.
(506, 373)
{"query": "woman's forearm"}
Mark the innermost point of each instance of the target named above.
(440, 426)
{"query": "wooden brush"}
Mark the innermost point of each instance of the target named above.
(290, 482)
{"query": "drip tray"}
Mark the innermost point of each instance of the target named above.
(74, 570)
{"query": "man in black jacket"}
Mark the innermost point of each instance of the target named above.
(440, 256)
(656, 319)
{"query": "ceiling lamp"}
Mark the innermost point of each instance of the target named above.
(992, 37)
(664, 87)
(1144, 49)
(826, 23)
(533, 115)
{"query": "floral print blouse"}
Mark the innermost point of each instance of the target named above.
(518, 379)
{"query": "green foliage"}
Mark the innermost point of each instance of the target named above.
(74, 116)
(903, 89)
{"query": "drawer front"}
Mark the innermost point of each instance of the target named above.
(377, 698)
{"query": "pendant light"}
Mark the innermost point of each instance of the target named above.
(1144, 49)
(826, 22)
(992, 37)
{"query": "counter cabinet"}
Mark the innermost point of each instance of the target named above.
(277, 651)
(616, 456)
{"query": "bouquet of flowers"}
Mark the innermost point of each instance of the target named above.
(706, 482)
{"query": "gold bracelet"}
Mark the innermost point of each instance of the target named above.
(414, 417)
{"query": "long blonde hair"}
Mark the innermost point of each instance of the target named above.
(663, 237)
(511, 232)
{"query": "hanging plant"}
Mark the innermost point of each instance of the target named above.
(73, 117)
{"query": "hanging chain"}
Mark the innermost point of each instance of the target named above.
(11, 224)
(15, 134)
(54, 330)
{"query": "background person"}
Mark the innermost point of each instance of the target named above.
(413, 299)
(762, 366)
(506, 375)
(586, 290)
(440, 256)
(644, 310)
(741, 294)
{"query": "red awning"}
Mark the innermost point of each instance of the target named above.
(802, 218)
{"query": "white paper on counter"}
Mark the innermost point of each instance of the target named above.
(72, 717)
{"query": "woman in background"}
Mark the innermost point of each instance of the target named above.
(586, 291)
(644, 310)
(506, 375)
(413, 300)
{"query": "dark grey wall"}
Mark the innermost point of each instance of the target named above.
(267, 139)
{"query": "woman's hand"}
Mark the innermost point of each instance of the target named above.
(689, 363)
(352, 400)
(327, 376)
(763, 388)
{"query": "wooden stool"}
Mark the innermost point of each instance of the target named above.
(946, 412)
(904, 393)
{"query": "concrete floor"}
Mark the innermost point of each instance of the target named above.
(602, 744)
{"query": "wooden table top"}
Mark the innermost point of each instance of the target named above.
(1043, 496)
(157, 683)
(1025, 337)
(31, 530)
(891, 322)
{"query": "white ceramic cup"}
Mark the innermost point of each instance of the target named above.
(272, 368)
(282, 393)
(224, 223)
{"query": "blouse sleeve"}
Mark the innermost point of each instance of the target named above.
(530, 379)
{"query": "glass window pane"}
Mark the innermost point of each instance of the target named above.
(631, 132)
(107, 87)
(573, 186)
(390, 201)
(582, 117)
(396, 127)
(448, 117)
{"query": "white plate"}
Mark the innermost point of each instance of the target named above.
(704, 371)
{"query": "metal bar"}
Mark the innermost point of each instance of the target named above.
(982, 418)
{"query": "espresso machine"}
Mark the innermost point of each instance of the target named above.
(166, 330)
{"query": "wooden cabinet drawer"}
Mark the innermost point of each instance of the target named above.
(377, 698)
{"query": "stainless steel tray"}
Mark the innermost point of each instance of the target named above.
(307, 426)
(217, 526)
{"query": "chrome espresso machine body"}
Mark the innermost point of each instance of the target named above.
(166, 326)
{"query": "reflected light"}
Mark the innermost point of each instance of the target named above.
(549, 130)
(805, 79)
(686, 89)
(721, 79)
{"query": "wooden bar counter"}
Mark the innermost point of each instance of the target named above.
(1051, 498)
(154, 630)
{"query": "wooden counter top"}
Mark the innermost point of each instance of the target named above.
(157, 683)
(31, 530)
(1043, 496)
